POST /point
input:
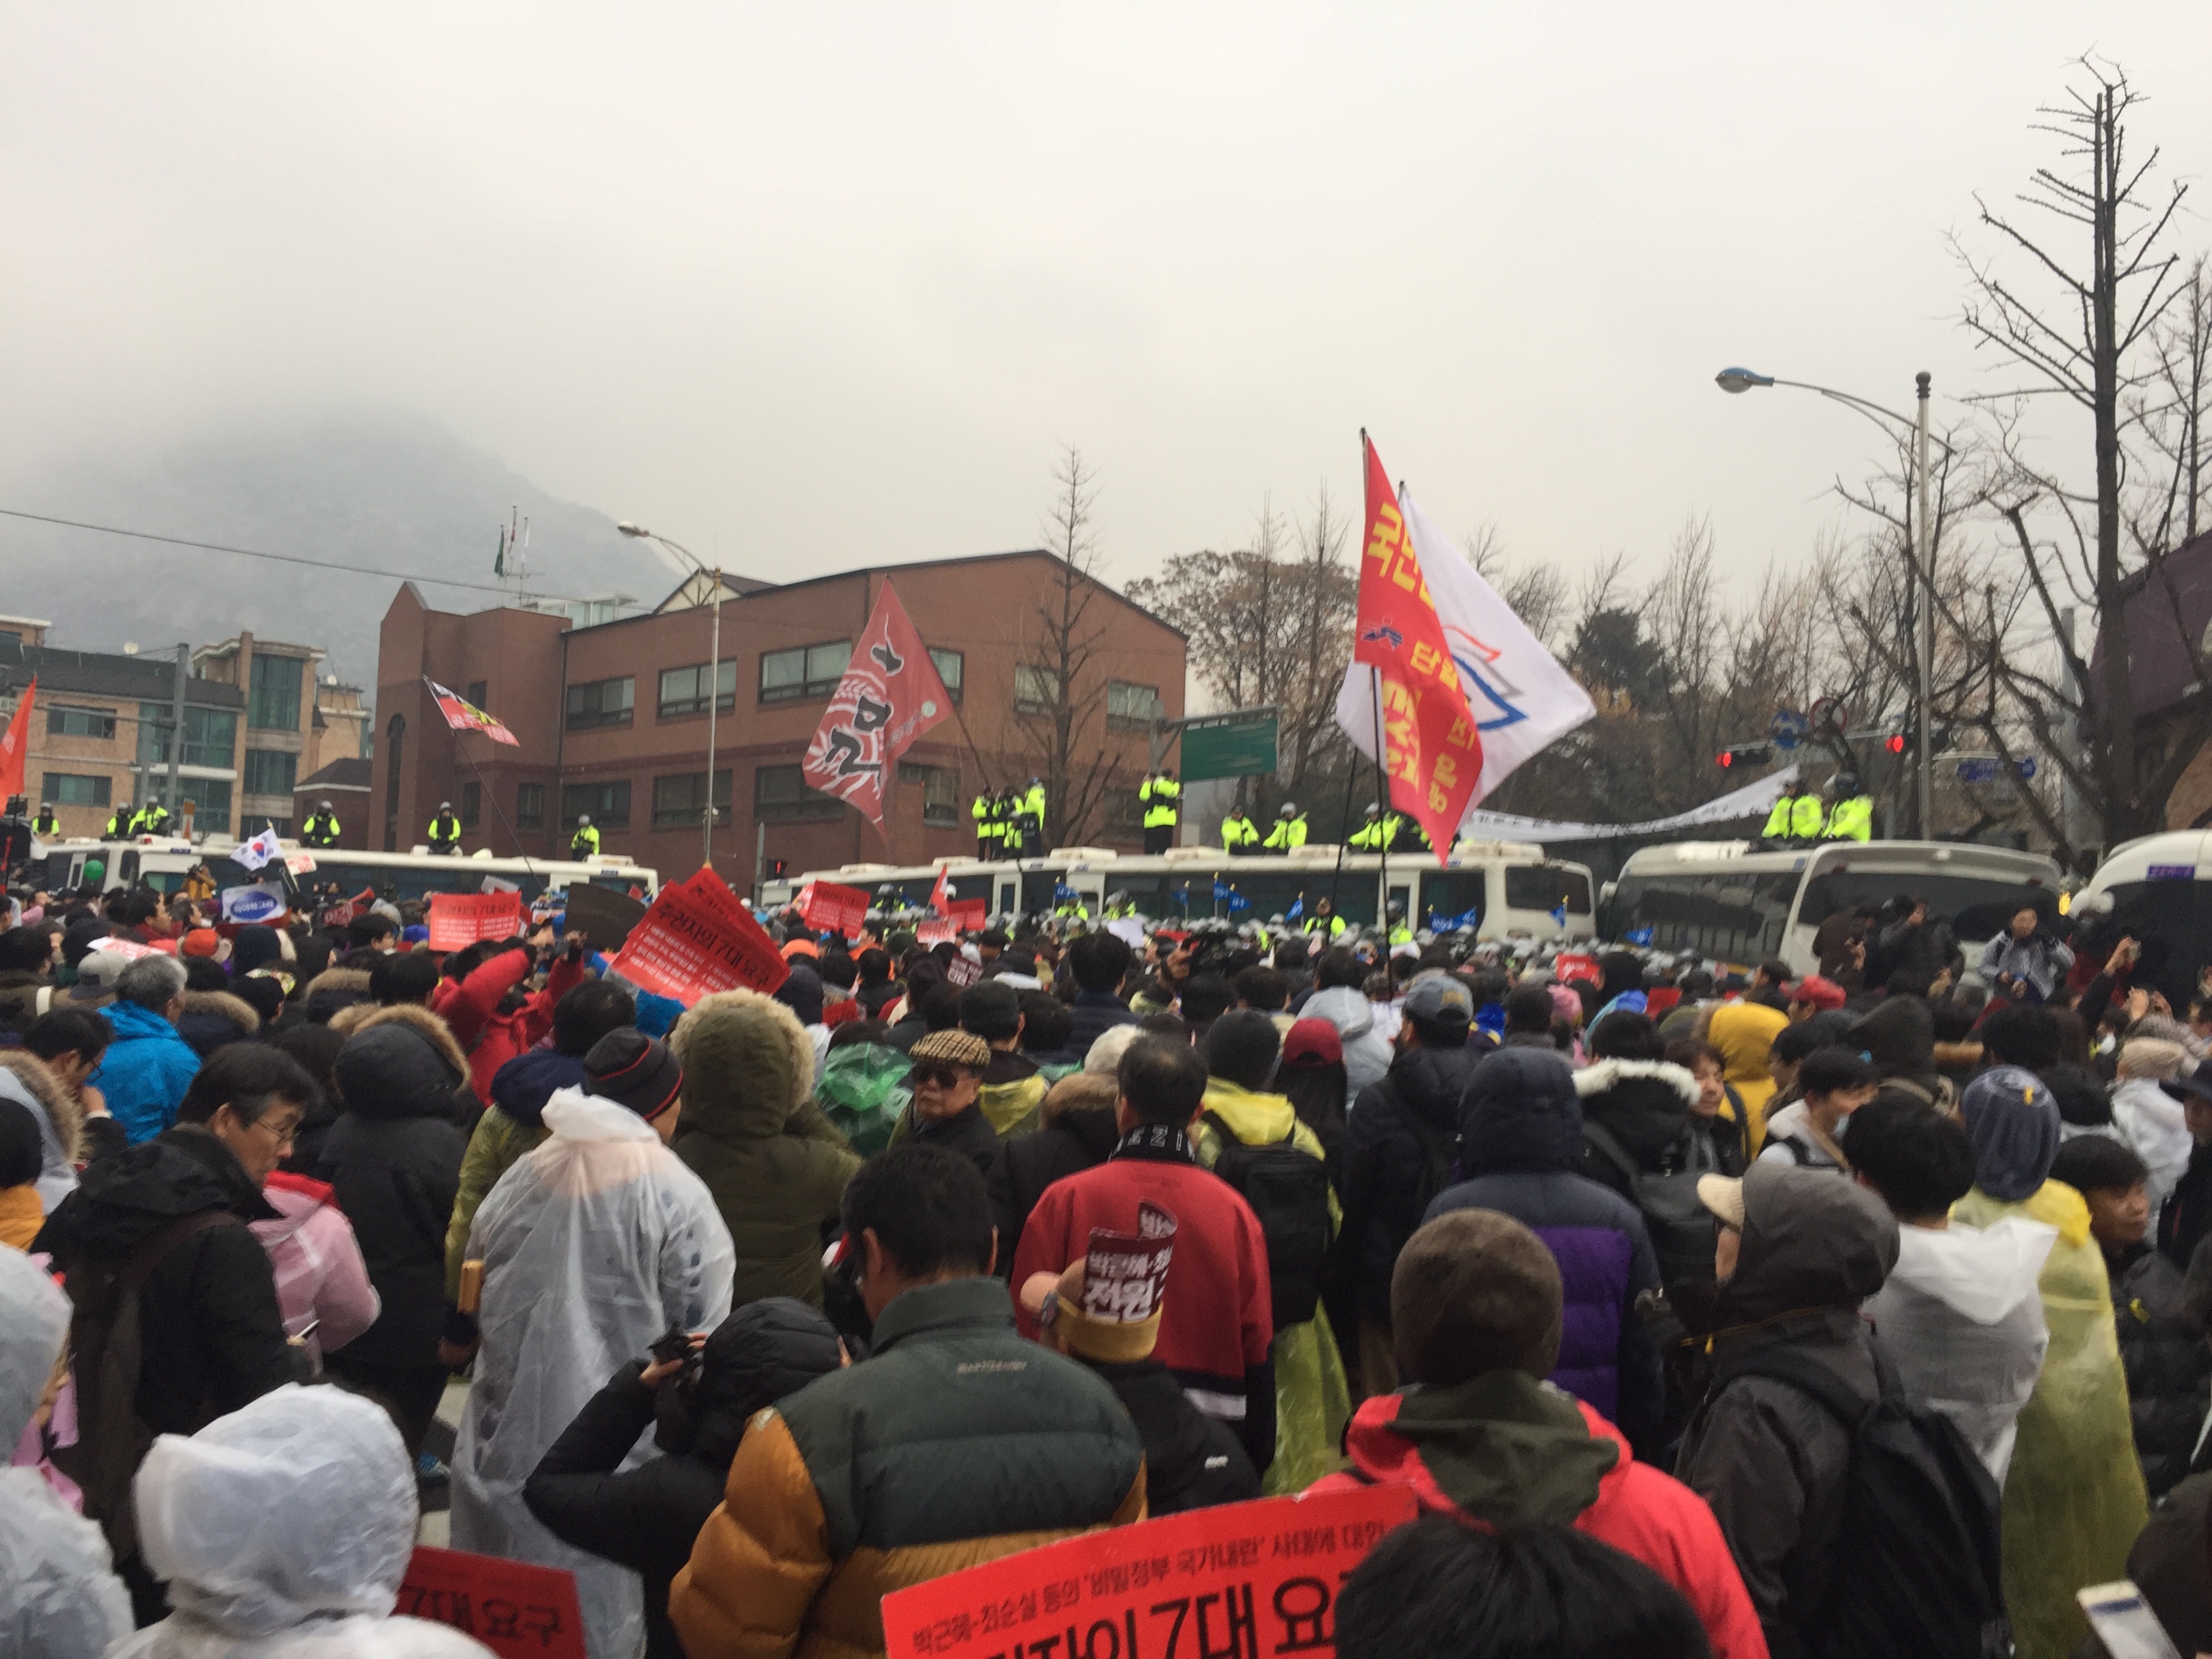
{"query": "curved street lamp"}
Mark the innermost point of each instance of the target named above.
(1738, 380)
(639, 532)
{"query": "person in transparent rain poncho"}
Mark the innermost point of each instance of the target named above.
(283, 1531)
(58, 1597)
(593, 1246)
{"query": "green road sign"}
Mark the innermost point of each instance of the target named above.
(1231, 746)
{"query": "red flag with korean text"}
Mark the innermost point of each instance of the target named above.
(1433, 754)
(16, 746)
(890, 695)
(462, 715)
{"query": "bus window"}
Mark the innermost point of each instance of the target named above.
(1546, 887)
(165, 881)
(2169, 921)
(1977, 907)
(1451, 899)
(1037, 887)
(127, 868)
(1731, 914)
(971, 887)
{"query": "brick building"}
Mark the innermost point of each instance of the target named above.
(613, 717)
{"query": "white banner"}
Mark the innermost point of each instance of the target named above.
(1753, 800)
(1522, 700)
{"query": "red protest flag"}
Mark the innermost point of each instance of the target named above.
(16, 746)
(1433, 755)
(890, 695)
(940, 892)
(464, 716)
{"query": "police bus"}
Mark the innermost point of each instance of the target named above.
(1730, 903)
(162, 862)
(2156, 888)
(1501, 890)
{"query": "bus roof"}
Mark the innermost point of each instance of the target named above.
(1312, 855)
(1966, 858)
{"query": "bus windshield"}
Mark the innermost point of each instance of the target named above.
(1733, 916)
(1977, 907)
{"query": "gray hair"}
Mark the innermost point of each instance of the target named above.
(151, 982)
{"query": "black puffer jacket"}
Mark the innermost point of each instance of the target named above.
(1645, 1106)
(1387, 1166)
(1075, 1133)
(2166, 1359)
(1191, 1461)
(394, 1156)
(209, 1325)
(648, 1517)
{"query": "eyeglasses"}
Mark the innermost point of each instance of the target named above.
(941, 1077)
(283, 1134)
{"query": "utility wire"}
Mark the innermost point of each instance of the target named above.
(280, 558)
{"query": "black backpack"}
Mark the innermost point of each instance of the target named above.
(1682, 1230)
(1917, 1568)
(1288, 1190)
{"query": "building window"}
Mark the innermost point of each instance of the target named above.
(805, 671)
(79, 722)
(600, 702)
(940, 793)
(607, 803)
(679, 802)
(210, 798)
(683, 691)
(1123, 810)
(273, 703)
(951, 668)
(529, 806)
(210, 735)
(73, 789)
(270, 771)
(472, 802)
(1132, 708)
(781, 795)
(1035, 691)
(479, 693)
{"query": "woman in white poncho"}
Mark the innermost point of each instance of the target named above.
(593, 1246)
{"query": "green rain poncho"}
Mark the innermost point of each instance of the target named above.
(2074, 1495)
(1312, 1400)
(862, 1091)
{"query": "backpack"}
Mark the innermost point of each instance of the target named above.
(1288, 1191)
(1916, 1569)
(106, 1357)
(1439, 1154)
(1682, 1230)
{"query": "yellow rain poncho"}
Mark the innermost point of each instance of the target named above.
(1312, 1399)
(1743, 1032)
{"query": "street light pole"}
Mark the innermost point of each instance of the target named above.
(1922, 553)
(714, 676)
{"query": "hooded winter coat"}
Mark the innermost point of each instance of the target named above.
(24, 1078)
(2166, 1360)
(1743, 1032)
(1013, 1095)
(491, 1037)
(1503, 1449)
(1076, 1131)
(751, 1130)
(1093, 1014)
(1367, 1052)
(1387, 1166)
(648, 1517)
(211, 1018)
(145, 1071)
(508, 1131)
(1645, 1106)
(1771, 1460)
(394, 1161)
(1520, 1133)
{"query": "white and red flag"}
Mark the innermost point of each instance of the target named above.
(464, 716)
(890, 695)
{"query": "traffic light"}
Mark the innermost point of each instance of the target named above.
(1894, 742)
(1744, 754)
(777, 867)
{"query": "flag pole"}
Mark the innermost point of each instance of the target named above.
(492, 795)
(1383, 782)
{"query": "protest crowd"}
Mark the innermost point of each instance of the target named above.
(1860, 1311)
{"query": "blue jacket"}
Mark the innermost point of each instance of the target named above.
(145, 1072)
(1520, 1133)
(1091, 1016)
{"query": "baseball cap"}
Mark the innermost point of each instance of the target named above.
(1311, 1042)
(1436, 1000)
(97, 974)
(200, 942)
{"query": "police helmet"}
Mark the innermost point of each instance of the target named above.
(1847, 784)
(583, 821)
(1289, 810)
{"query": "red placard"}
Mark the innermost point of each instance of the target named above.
(514, 1608)
(969, 914)
(697, 939)
(1572, 965)
(1661, 1001)
(961, 972)
(1238, 1582)
(937, 930)
(459, 920)
(824, 904)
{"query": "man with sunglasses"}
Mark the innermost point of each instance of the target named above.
(947, 1081)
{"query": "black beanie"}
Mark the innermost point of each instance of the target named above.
(634, 1070)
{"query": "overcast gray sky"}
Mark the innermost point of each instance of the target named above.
(816, 285)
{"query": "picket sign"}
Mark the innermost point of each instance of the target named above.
(513, 1607)
(696, 940)
(460, 920)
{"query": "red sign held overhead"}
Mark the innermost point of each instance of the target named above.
(458, 920)
(825, 905)
(697, 939)
(1239, 1582)
(514, 1608)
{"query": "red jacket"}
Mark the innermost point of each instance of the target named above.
(1645, 1515)
(1217, 1320)
(471, 1011)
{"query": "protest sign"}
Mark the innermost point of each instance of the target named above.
(300, 864)
(129, 948)
(263, 902)
(825, 906)
(1232, 1582)
(603, 916)
(1130, 930)
(970, 914)
(1572, 965)
(459, 920)
(696, 940)
(497, 885)
(937, 930)
(513, 1607)
(961, 972)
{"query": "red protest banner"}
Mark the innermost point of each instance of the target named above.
(970, 914)
(937, 930)
(696, 940)
(843, 910)
(890, 695)
(511, 1607)
(1235, 1582)
(1572, 965)
(459, 920)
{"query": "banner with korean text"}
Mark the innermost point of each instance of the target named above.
(890, 695)
(829, 907)
(458, 920)
(695, 939)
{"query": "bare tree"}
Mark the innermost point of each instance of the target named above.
(1535, 592)
(2171, 413)
(1059, 720)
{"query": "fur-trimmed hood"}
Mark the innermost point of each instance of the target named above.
(1645, 1105)
(1079, 1094)
(747, 1066)
(1601, 1076)
(65, 1113)
(362, 1017)
(222, 1005)
(339, 979)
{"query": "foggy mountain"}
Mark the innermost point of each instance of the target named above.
(384, 492)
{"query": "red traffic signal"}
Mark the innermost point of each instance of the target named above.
(1726, 757)
(1894, 742)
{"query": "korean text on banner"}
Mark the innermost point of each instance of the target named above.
(463, 715)
(964, 973)
(1432, 752)
(696, 940)
(938, 930)
(459, 920)
(830, 908)
(261, 902)
(1572, 965)
(1243, 1580)
(513, 1607)
(890, 695)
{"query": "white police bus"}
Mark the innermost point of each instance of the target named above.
(162, 862)
(2156, 885)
